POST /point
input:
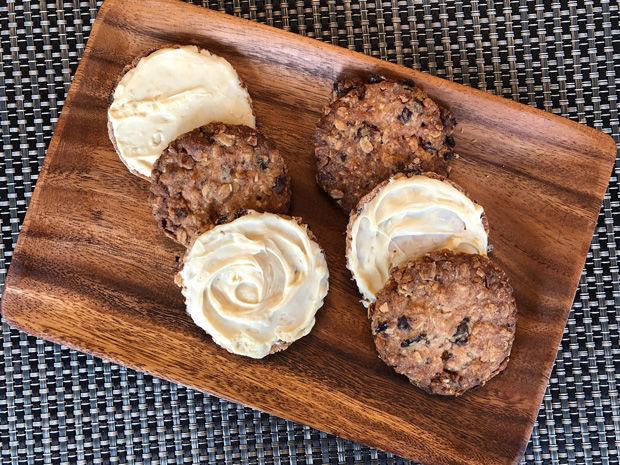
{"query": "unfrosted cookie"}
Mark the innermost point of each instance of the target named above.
(370, 131)
(255, 284)
(213, 174)
(168, 93)
(446, 321)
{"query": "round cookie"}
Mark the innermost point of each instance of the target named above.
(255, 284)
(446, 321)
(406, 217)
(212, 174)
(370, 131)
(167, 93)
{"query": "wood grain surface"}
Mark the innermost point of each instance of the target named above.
(91, 269)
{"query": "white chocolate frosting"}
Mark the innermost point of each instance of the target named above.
(168, 93)
(255, 282)
(406, 218)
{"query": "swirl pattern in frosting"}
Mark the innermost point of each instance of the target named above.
(405, 218)
(255, 284)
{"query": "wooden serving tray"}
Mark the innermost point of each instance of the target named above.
(92, 270)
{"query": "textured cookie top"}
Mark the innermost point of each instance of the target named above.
(404, 218)
(446, 321)
(169, 93)
(213, 174)
(255, 284)
(372, 131)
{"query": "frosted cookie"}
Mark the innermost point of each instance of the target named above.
(404, 218)
(446, 321)
(213, 174)
(370, 131)
(168, 93)
(255, 284)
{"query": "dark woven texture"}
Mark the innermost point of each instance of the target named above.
(60, 406)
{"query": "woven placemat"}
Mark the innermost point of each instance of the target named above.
(60, 406)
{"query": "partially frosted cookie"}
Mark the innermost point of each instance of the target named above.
(169, 93)
(255, 284)
(404, 218)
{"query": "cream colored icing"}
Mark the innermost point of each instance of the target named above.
(254, 282)
(168, 93)
(407, 218)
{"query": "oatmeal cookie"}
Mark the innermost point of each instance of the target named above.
(167, 93)
(212, 174)
(446, 321)
(255, 284)
(401, 219)
(370, 131)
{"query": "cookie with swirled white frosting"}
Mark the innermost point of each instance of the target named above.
(405, 217)
(255, 284)
(446, 321)
(370, 131)
(214, 173)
